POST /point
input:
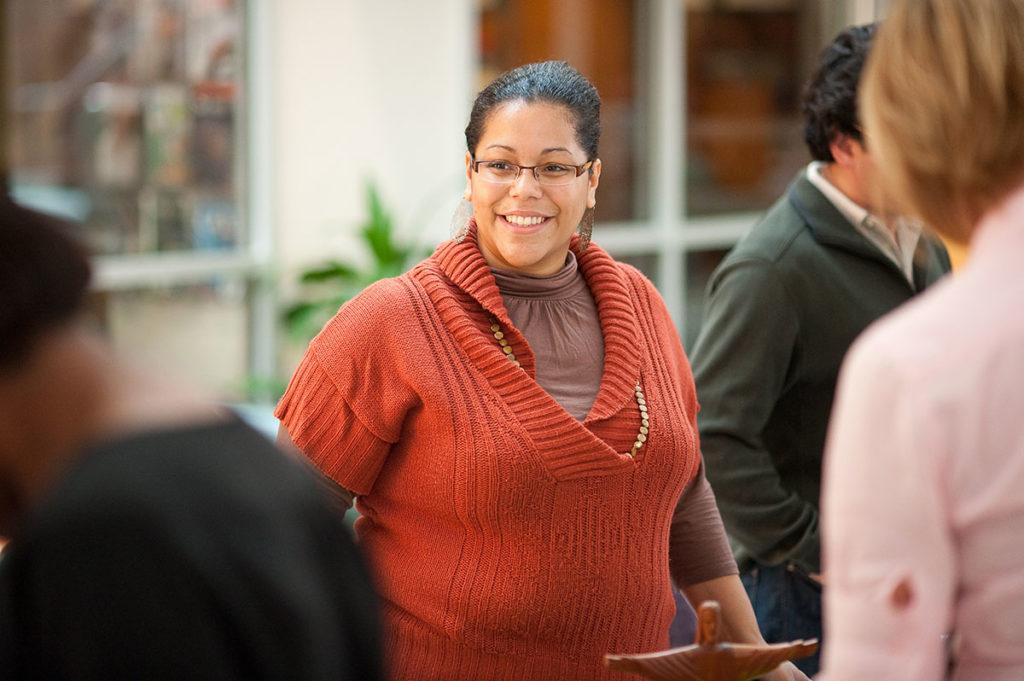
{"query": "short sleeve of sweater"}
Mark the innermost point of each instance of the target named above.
(698, 546)
(347, 400)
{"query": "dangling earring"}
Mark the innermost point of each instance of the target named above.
(585, 229)
(460, 220)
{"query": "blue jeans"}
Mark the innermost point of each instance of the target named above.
(787, 603)
(683, 631)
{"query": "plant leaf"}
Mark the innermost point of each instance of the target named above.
(331, 270)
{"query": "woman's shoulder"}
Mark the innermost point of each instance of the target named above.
(401, 295)
(635, 276)
(598, 264)
(386, 308)
(372, 314)
(639, 284)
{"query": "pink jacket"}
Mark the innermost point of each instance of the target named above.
(923, 504)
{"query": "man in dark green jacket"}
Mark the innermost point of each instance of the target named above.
(781, 311)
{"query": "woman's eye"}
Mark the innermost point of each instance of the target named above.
(498, 165)
(555, 168)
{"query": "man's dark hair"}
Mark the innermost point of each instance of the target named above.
(830, 98)
(554, 82)
(44, 275)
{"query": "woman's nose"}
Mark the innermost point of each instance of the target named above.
(526, 183)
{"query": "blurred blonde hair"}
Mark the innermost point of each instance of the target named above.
(943, 106)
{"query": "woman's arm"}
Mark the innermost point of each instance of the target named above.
(698, 546)
(340, 496)
(739, 625)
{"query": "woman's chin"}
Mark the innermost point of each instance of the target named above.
(529, 261)
(538, 253)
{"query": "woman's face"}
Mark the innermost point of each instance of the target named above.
(526, 226)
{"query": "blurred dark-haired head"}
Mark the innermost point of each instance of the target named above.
(44, 276)
(830, 97)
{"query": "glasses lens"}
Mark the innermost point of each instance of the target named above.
(553, 175)
(497, 171)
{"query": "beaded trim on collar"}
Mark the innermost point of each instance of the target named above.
(638, 393)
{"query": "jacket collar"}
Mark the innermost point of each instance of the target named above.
(827, 223)
(829, 227)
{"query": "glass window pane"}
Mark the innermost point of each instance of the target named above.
(598, 38)
(746, 62)
(124, 116)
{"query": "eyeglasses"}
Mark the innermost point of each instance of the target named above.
(548, 174)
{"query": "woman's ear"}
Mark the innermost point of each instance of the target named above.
(595, 178)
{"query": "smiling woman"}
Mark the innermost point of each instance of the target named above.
(525, 220)
(528, 479)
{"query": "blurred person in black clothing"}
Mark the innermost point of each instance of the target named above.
(153, 535)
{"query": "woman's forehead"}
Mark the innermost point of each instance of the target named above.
(539, 127)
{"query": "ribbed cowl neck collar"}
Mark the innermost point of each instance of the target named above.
(464, 265)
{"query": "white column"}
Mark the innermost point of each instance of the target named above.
(666, 152)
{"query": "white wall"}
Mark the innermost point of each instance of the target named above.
(366, 90)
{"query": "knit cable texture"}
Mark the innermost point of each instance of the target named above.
(509, 540)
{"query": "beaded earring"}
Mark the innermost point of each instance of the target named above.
(460, 220)
(585, 229)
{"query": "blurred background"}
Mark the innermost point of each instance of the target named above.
(241, 167)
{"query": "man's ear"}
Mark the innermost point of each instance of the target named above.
(841, 146)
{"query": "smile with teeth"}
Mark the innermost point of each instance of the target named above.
(523, 221)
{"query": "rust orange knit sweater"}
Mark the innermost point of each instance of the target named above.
(509, 540)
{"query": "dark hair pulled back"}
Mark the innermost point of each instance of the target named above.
(554, 82)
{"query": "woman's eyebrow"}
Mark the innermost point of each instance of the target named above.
(543, 151)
